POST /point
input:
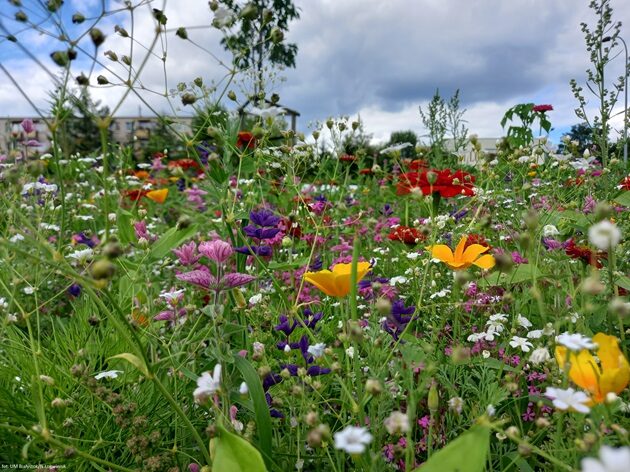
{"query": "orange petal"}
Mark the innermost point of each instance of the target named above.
(441, 252)
(158, 196)
(323, 280)
(473, 251)
(459, 250)
(584, 371)
(486, 261)
(608, 351)
(614, 380)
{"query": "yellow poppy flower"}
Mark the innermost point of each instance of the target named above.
(158, 196)
(611, 374)
(462, 258)
(336, 283)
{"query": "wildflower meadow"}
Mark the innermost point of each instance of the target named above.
(239, 295)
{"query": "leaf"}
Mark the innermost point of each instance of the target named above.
(520, 273)
(623, 199)
(623, 282)
(261, 410)
(467, 453)
(126, 233)
(135, 361)
(170, 240)
(233, 454)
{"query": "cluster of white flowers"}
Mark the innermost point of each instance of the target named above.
(575, 342)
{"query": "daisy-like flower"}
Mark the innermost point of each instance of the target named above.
(317, 350)
(353, 440)
(610, 460)
(336, 283)
(575, 342)
(521, 343)
(604, 235)
(397, 423)
(539, 355)
(208, 384)
(569, 399)
(463, 257)
(108, 374)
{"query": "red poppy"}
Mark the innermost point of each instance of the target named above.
(136, 194)
(477, 239)
(366, 171)
(245, 140)
(290, 227)
(347, 158)
(418, 164)
(406, 234)
(444, 182)
(542, 108)
(625, 183)
(184, 164)
(584, 253)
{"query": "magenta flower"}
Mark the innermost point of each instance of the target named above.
(140, 228)
(27, 125)
(204, 279)
(218, 251)
(187, 254)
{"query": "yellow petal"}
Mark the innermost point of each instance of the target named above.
(458, 265)
(473, 251)
(459, 250)
(158, 196)
(343, 277)
(584, 371)
(614, 380)
(323, 280)
(441, 252)
(608, 351)
(561, 356)
(486, 261)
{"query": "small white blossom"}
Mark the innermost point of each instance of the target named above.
(353, 440)
(539, 355)
(610, 460)
(256, 299)
(243, 389)
(208, 384)
(604, 235)
(568, 399)
(521, 343)
(456, 404)
(549, 231)
(523, 322)
(316, 350)
(108, 374)
(397, 423)
(575, 342)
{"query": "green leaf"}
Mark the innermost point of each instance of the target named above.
(278, 265)
(467, 453)
(126, 233)
(170, 240)
(261, 410)
(231, 453)
(623, 199)
(133, 360)
(623, 282)
(520, 273)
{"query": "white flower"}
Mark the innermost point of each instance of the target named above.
(575, 342)
(208, 384)
(173, 295)
(523, 322)
(456, 404)
(397, 147)
(222, 17)
(523, 343)
(316, 350)
(535, 334)
(491, 410)
(610, 460)
(604, 235)
(549, 231)
(81, 255)
(568, 399)
(255, 299)
(399, 279)
(108, 374)
(243, 389)
(397, 423)
(352, 439)
(350, 352)
(539, 356)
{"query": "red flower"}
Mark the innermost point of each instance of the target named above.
(406, 235)
(245, 139)
(136, 194)
(542, 108)
(347, 158)
(184, 164)
(477, 239)
(583, 253)
(418, 164)
(443, 182)
(366, 171)
(625, 183)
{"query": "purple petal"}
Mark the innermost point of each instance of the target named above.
(236, 280)
(200, 278)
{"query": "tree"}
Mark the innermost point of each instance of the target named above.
(258, 41)
(580, 134)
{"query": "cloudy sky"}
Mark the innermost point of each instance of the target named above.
(375, 59)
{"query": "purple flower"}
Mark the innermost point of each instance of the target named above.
(400, 317)
(218, 251)
(193, 467)
(262, 251)
(74, 290)
(264, 218)
(260, 233)
(270, 380)
(236, 280)
(187, 254)
(81, 238)
(170, 315)
(140, 228)
(200, 278)
(284, 326)
(27, 125)
(316, 370)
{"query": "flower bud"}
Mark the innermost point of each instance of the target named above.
(102, 80)
(231, 95)
(433, 401)
(78, 18)
(373, 387)
(383, 306)
(102, 269)
(121, 31)
(181, 32)
(249, 12)
(277, 35)
(111, 55)
(188, 98)
(431, 177)
(97, 37)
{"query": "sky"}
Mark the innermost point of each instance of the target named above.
(373, 59)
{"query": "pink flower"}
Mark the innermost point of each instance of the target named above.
(27, 125)
(187, 254)
(542, 108)
(218, 251)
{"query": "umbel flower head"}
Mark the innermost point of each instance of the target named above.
(611, 374)
(464, 256)
(336, 283)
